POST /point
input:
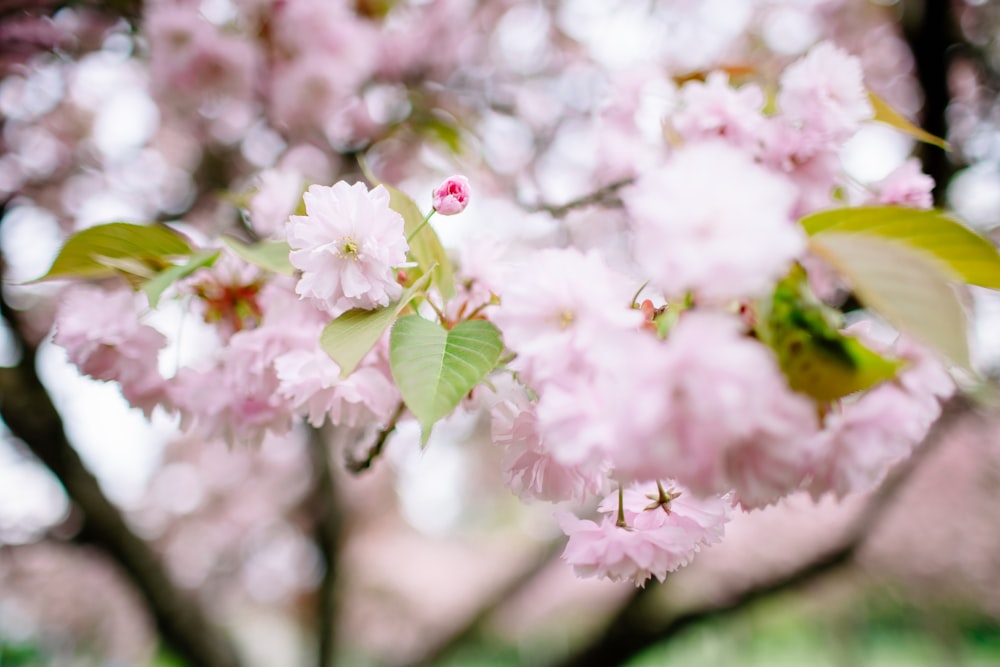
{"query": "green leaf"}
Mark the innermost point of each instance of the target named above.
(118, 246)
(973, 258)
(425, 247)
(814, 355)
(269, 255)
(353, 334)
(903, 284)
(155, 286)
(886, 114)
(435, 368)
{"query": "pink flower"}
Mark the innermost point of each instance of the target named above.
(311, 381)
(713, 222)
(278, 193)
(530, 469)
(227, 293)
(729, 420)
(452, 196)
(238, 398)
(824, 92)
(102, 335)
(714, 109)
(872, 432)
(347, 246)
(556, 305)
(907, 185)
(654, 541)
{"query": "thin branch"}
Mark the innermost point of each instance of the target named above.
(357, 465)
(605, 196)
(636, 627)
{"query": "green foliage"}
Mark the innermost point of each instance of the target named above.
(886, 114)
(903, 284)
(155, 286)
(817, 359)
(972, 258)
(348, 338)
(268, 255)
(435, 368)
(117, 247)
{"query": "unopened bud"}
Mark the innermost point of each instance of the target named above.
(452, 196)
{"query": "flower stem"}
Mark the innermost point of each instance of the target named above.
(420, 226)
(621, 510)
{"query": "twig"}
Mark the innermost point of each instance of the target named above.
(636, 627)
(605, 196)
(357, 465)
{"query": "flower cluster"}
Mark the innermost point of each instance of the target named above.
(688, 391)
(681, 406)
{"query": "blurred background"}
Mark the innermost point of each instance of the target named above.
(176, 550)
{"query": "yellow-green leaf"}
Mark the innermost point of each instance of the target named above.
(435, 368)
(353, 334)
(155, 286)
(107, 249)
(971, 257)
(816, 357)
(905, 285)
(269, 255)
(886, 114)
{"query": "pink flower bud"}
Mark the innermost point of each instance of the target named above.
(452, 196)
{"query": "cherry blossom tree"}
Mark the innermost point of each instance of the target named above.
(631, 238)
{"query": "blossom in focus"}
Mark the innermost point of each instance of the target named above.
(103, 337)
(655, 541)
(347, 246)
(713, 222)
(452, 196)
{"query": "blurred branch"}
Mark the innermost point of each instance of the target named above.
(932, 35)
(473, 626)
(636, 627)
(27, 409)
(605, 196)
(327, 530)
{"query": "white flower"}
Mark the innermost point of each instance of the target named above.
(346, 247)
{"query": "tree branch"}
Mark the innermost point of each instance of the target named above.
(27, 409)
(605, 196)
(636, 627)
(931, 34)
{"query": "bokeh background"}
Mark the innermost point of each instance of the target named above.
(427, 559)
